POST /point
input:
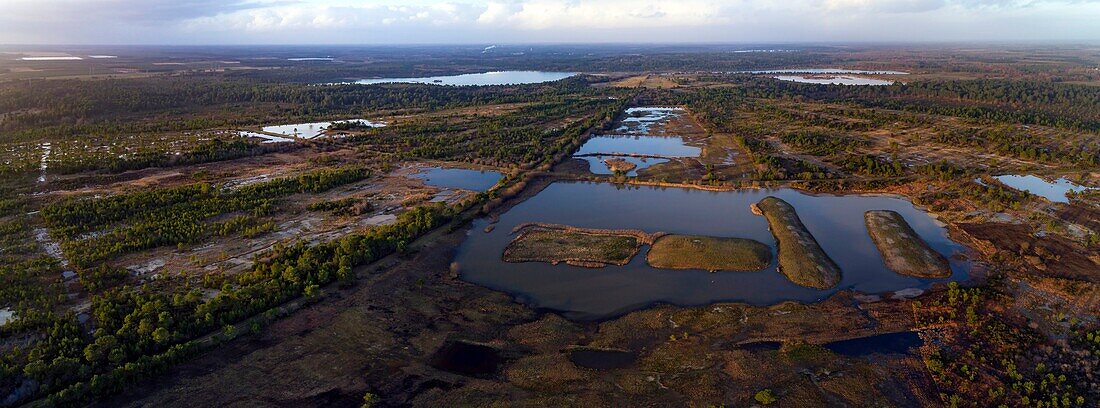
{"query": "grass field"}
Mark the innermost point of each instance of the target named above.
(800, 256)
(581, 247)
(903, 250)
(708, 253)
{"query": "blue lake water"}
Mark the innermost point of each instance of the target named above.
(1055, 191)
(584, 293)
(486, 78)
(596, 164)
(473, 180)
(663, 146)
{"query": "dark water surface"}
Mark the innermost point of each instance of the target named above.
(890, 343)
(473, 180)
(584, 293)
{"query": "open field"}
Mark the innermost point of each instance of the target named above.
(902, 249)
(576, 246)
(801, 259)
(708, 253)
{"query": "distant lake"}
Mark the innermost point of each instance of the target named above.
(836, 80)
(825, 71)
(487, 78)
(1055, 191)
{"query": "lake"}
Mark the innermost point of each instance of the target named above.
(825, 71)
(265, 137)
(313, 129)
(596, 164)
(588, 294)
(1055, 191)
(662, 146)
(836, 80)
(473, 180)
(485, 78)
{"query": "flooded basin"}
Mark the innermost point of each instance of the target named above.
(266, 138)
(6, 316)
(588, 294)
(825, 71)
(890, 343)
(639, 119)
(827, 79)
(486, 78)
(473, 180)
(1055, 191)
(600, 359)
(314, 129)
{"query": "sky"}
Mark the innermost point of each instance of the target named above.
(542, 21)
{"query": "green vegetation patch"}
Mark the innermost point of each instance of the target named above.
(708, 253)
(801, 258)
(903, 250)
(576, 246)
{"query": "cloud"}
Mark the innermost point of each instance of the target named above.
(357, 21)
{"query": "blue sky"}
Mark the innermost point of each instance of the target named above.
(540, 21)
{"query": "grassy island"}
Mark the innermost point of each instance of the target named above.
(708, 253)
(801, 258)
(593, 248)
(902, 249)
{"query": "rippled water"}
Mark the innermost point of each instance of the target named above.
(584, 293)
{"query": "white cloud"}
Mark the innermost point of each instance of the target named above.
(352, 21)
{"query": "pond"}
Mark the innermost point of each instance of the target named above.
(592, 294)
(1055, 191)
(603, 359)
(890, 343)
(834, 80)
(265, 137)
(314, 129)
(639, 119)
(596, 164)
(473, 180)
(6, 315)
(654, 146)
(467, 358)
(486, 78)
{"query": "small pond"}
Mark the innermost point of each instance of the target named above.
(587, 294)
(473, 180)
(6, 315)
(656, 146)
(603, 359)
(834, 80)
(596, 164)
(890, 343)
(265, 137)
(313, 129)
(486, 78)
(637, 120)
(467, 359)
(1054, 191)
